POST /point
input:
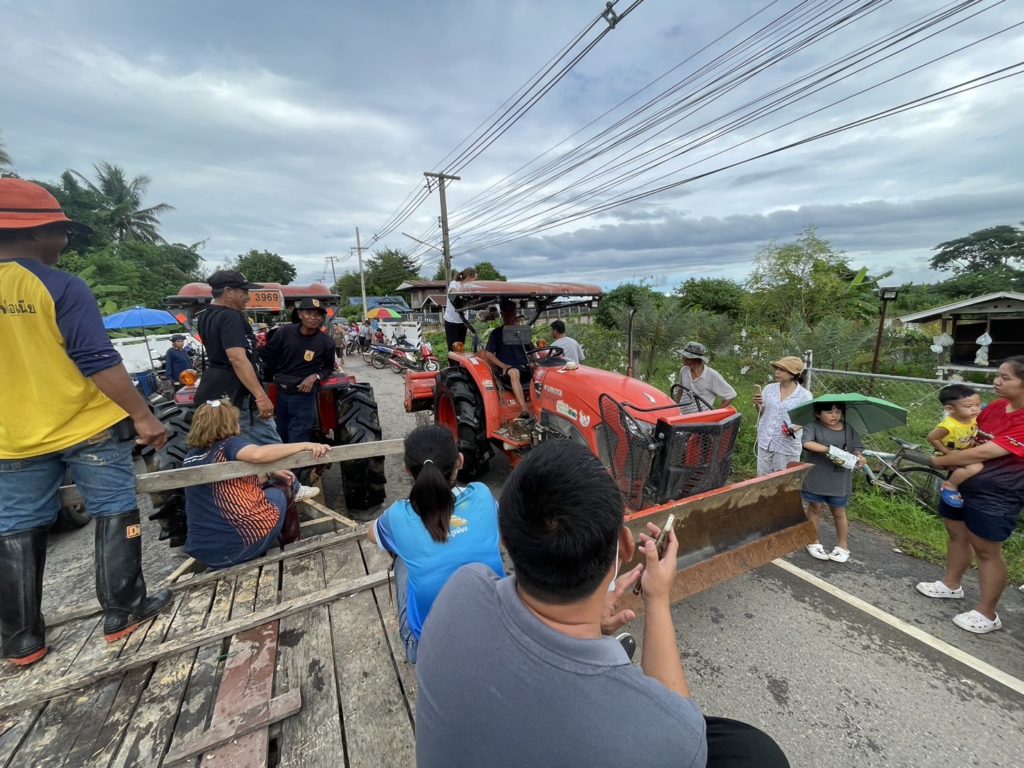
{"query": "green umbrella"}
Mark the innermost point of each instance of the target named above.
(865, 414)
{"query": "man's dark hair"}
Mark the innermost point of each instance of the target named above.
(560, 515)
(217, 292)
(558, 326)
(953, 392)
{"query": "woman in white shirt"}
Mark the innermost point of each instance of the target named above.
(777, 442)
(454, 328)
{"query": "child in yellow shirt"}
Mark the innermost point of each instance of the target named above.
(956, 432)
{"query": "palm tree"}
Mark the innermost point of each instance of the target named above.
(5, 159)
(123, 204)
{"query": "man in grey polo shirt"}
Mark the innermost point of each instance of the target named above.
(571, 349)
(700, 378)
(519, 671)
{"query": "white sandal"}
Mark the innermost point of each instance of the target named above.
(817, 551)
(978, 623)
(938, 589)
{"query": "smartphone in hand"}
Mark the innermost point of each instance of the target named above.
(660, 543)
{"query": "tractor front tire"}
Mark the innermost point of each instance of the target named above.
(358, 422)
(459, 408)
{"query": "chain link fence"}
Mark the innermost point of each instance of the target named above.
(919, 396)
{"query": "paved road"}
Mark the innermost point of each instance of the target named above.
(835, 686)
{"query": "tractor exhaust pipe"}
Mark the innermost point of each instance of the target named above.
(629, 342)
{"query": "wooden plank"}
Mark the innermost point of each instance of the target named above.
(378, 725)
(124, 690)
(148, 732)
(169, 479)
(188, 565)
(197, 704)
(248, 679)
(32, 695)
(328, 512)
(376, 560)
(305, 663)
(314, 545)
(259, 716)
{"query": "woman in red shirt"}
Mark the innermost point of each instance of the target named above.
(992, 502)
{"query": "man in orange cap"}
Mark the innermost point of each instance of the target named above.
(69, 404)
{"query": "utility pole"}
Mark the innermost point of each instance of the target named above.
(362, 276)
(334, 274)
(441, 179)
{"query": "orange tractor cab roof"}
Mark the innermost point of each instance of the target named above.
(480, 294)
(272, 297)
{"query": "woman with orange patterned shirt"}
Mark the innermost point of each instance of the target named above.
(234, 521)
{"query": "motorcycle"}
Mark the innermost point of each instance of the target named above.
(405, 356)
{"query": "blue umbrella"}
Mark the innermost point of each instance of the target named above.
(138, 317)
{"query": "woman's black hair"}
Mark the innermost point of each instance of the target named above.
(799, 378)
(467, 272)
(822, 407)
(1017, 363)
(430, 456)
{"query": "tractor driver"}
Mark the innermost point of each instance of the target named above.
(510, 360)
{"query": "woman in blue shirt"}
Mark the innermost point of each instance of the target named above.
(436, 531)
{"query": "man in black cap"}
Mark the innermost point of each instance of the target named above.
(298, 357)
(233, 365)
(176, 359)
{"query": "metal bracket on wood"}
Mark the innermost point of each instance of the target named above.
(610, 16)
(261, 715)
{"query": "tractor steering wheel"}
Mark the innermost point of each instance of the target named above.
(545, 353)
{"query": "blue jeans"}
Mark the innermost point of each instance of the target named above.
(402, 603)
(260, 431)
(279, 497)
(100, 466)
(295, 415)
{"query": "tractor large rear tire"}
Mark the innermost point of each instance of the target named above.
(170, 505)
(358, 422)
(459, 407)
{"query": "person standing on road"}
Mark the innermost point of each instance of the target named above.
(69, 404)
(992, 502)
(704, 381)
(297, 358)
(176, 360)
(438, 529)
(524, 662)
(454, 327)
(233, 363)
(777, 441)
(571, 350)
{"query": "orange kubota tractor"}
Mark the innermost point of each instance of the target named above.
(662, 458)
(346, 409)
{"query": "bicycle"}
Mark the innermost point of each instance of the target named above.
(918, 483)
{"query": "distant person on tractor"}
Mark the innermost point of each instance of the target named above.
(510, 360)
(67, 404)
(297, 358)
(176, 359)
(698, 377)
(571, 349)
(233, 367)
(234, 521)
(521, 671)
(454, 327)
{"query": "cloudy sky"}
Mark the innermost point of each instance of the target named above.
(285, 126)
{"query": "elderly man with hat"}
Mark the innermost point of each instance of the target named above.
(298, 357)
(698, 377)
(233, 368)
(68, 404)
(176, 359)
(777, 442)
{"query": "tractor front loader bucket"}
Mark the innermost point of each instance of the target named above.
(731, 530)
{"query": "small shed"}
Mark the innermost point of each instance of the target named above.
(1001, 315)
(419, 291)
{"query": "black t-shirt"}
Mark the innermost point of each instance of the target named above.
(221, 329)
(509, 354)
(292, 353)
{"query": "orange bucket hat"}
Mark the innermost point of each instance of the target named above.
(24, 205)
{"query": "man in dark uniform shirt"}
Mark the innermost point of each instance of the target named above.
(233, 365)
(176, 361)
(298, 357)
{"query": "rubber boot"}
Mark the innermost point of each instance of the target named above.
(22, 630)
(120, 587)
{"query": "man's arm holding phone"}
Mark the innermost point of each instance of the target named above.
(661, 650)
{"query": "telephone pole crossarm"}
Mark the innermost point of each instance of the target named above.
(441, 179)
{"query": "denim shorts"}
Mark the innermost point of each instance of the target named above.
(991, 526)
(832, 501)
(101, 468)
